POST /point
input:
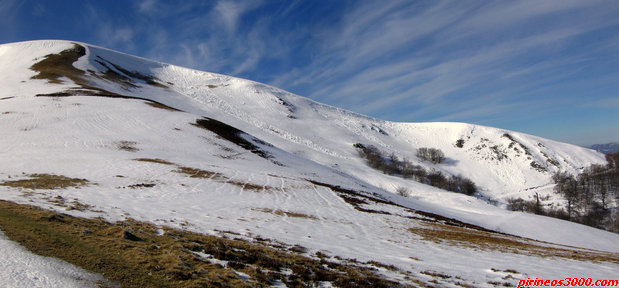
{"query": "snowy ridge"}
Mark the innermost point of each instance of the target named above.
(288, 154)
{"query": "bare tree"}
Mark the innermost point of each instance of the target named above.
(402, 191)
(433, 155)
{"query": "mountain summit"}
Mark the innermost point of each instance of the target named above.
(127, 137)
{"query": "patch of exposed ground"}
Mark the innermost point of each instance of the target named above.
(253, 187)
(154, 160)
(45, 181)
(74, 204)
(138, 254)
(358, 200)
(211, 175)
(160, 106)
(437, 228)
(128, 146)
(54, 67)
(200, 173)
(483, 240)
(125, 77)
(280, 212)
(233, 135)
(514, 143)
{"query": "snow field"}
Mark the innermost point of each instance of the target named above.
(119, 145)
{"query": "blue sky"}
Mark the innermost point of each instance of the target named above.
(548, 68)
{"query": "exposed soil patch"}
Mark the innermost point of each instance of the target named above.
(216, 176)
(154, 160)
(206, 174)
(125, 77)
(161, 106)
(46, 181)
(137, 254)
(233, 135)
(280, 212)
(93, 91)
(250, 186)
(142, 185)
(69, 205)
(199, 173)
(357, 199)
(438, 229)
(55, 66)
(470, 238)
(128, 146)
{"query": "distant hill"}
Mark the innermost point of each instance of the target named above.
(608, 148)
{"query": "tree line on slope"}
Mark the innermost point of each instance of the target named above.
(391, 164)
(590, 196)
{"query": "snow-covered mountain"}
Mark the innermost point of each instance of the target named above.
(607, 148)
(212, 153)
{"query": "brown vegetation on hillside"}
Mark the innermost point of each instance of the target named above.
(138, 254)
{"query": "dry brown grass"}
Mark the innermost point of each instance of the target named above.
(154, 160)
(249, 186)
(233, 135)
(253, 187)
(280, 212)
(69, 205)
(216, 176)
(435, 274)
(200, 173)
(437, 228)
(174, 259)
(128, 146)
(205, 174)
(161, 106)
(46, 181)
(55, 66)
(483, 240)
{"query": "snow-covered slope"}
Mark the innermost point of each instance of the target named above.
(21, 268)
(213, 153)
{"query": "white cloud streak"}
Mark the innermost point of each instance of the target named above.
(427, 57)
(399, 60)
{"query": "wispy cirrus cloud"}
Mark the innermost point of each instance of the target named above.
(429, 58)
(147, 6)
(488, 62)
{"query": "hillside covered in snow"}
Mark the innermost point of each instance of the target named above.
(218, 155)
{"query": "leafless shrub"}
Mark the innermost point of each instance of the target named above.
(402, 191)
(433, 155)
(392, 165)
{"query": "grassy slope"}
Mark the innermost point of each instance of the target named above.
(172, 259)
